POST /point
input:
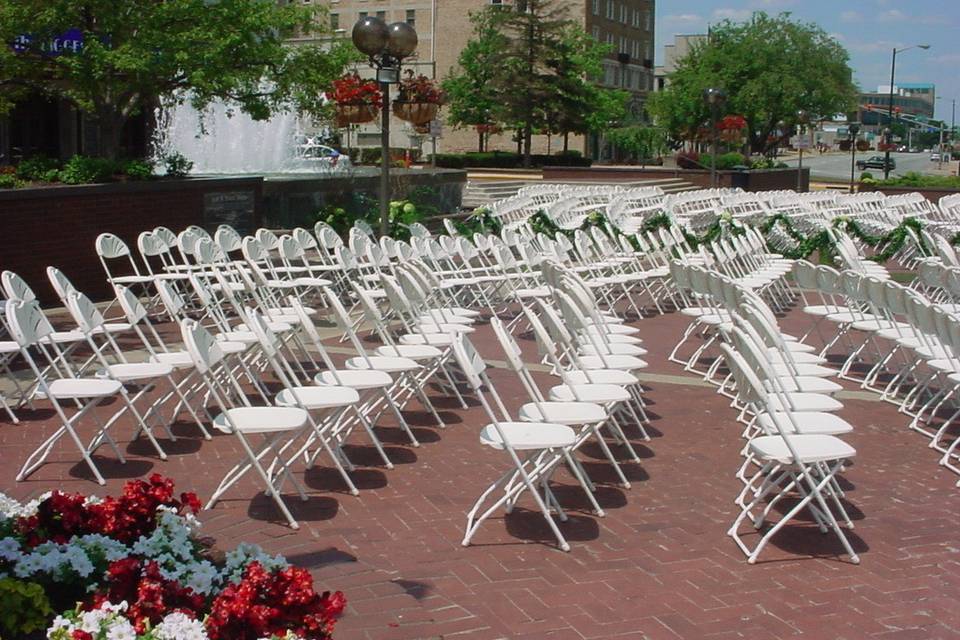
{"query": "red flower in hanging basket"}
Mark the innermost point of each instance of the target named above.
(352, 90)
(732, 123)
(420, 89)
(491, 129)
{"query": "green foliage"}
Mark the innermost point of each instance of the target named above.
(769, 66)
(867, 177)
(481, 220)
(726, 160)
(135, 51)
(417, 206)
(507, 160)
(10, 181)
(920, 180)
(87, 170)
(177, 165)
(37, 168)
(641, 143)
(137, 169)
(472, 97)
(25, 609)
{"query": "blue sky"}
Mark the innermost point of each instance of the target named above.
(869, 29)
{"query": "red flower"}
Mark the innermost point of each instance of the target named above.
(63, 516)
(77, 634)
(420, 89)
(351, 89)
(273, 603)
(149, 594)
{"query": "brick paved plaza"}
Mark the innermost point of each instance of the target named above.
(659, 565)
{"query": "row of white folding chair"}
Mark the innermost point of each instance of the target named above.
(790, 427)
(924, 340)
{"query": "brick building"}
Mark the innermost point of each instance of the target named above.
(444, 28)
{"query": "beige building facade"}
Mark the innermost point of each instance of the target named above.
(444, 28)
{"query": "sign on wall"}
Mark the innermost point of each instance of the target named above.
(234, 208)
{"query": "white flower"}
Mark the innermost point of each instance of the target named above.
(178, 626)
(60, 623)
(121, 629)
(202, 577)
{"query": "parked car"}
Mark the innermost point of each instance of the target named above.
(936, 157)
(876, 162)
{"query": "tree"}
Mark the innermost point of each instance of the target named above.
(641, 143)
(578, 104)
(113, 58)
(533, 31)
(770, 67)
(472, 98)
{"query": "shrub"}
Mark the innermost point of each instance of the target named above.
(37, 168)
(177, 165)
(919, 180)
(137, 169)
(866, 176)
(508, 160)
(9, 181)
(86, 170)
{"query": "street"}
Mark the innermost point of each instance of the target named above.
(836, 165)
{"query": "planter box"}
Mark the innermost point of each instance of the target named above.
(933, 194)
(57, 226)
(293, 201)
(750, 180)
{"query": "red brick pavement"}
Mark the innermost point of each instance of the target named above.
(659, 565)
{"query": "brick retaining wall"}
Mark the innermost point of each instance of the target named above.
(57, 226)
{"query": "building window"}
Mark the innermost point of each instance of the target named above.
(382, 15)
(596, 7)
(647, 15)
(609, 38)
(362, 15)
(611, 9)
(334, 21)
(623, 45)
(596, 34)
(412, 17)
(636, 18)
(623, 13)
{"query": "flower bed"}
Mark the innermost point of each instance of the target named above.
(135, 567)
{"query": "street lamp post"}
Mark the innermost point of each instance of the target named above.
(802, 119)
(953, 124)
(386, 46)
(893, 70)
(854, 129)
(714, 98)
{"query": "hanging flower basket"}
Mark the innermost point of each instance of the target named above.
(348, 114)
(418, 113)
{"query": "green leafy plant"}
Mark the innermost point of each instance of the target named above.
(86, 170)
(25, 609)
(137, 169)
(177, 165)
(37, 168)
(10, 181)
(920, 180)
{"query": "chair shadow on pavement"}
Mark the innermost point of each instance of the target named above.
(314, 509)
(112, 468)
(329, 479)
(530, 526)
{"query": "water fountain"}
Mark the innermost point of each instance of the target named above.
(224, 140)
